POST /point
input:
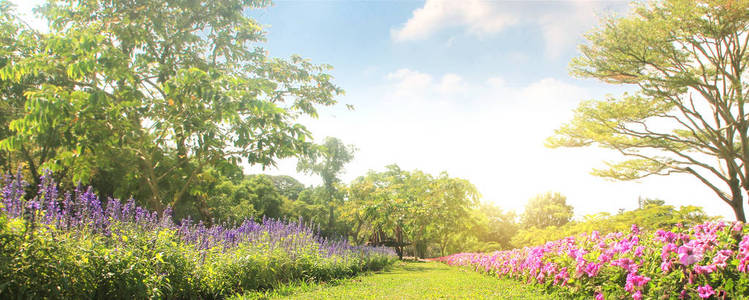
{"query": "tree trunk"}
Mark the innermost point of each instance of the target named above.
(331, 217)
(399, 242)
(737, 199)
(738, 210)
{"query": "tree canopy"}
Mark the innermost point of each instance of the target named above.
(549, 209)
(413, 208)
(687, 61)
(169, 88)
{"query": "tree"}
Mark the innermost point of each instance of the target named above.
(328, 162)
(498, 226)
(155, 93)
(18, 42)
(387, 206)
(449, 205)
(404, 208)
(687, 61)
(288, 186)
(549, 209)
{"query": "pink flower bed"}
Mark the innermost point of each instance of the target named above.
(709, 260)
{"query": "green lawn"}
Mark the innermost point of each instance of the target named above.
(411, 280)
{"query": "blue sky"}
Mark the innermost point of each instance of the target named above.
(469, 87)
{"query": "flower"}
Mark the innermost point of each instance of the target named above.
(637, 295)
(704, 269)
(737, 227)
(721, 258)
(689, 255)
(705, 291)
(599, 296)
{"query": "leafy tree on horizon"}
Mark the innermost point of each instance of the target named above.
(687, 61)
(548, 209)
(328, 162)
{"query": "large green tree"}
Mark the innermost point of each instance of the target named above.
(328, 162)
(401, 208)
(548, 209)
(686, 61)
(152, 93)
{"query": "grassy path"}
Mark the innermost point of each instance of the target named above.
(412, 280)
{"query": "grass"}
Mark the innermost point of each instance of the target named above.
(409, 280)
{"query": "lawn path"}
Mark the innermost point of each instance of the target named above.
(415, 280)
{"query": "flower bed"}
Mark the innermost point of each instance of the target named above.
(71, 246)
(709, 260)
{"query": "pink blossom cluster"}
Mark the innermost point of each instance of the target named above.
(709, 260)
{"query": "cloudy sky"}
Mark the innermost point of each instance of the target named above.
(469, 87)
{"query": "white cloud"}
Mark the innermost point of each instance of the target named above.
(479, 17)
(561, 23)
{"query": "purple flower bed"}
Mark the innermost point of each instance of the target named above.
(707, 261)
(217, 260)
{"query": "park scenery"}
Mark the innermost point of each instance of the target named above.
(182, 149)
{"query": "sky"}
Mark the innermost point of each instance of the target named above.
(469, 87)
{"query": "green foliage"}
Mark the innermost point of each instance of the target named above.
(549, 209)
(494, 230)
(148, 98)
(652, 216)
(400, 208)
(686, 60)
(252, 197)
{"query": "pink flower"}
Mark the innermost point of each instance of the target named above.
(592, 269)
(744, 254)
(704, 269)
(635, 229)
(637, 295)
(667, 249)
(666, 266)
(737, 226)
(721, 258)
(635, 281)
(689, 255)
(599, 296)
(705, 291)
